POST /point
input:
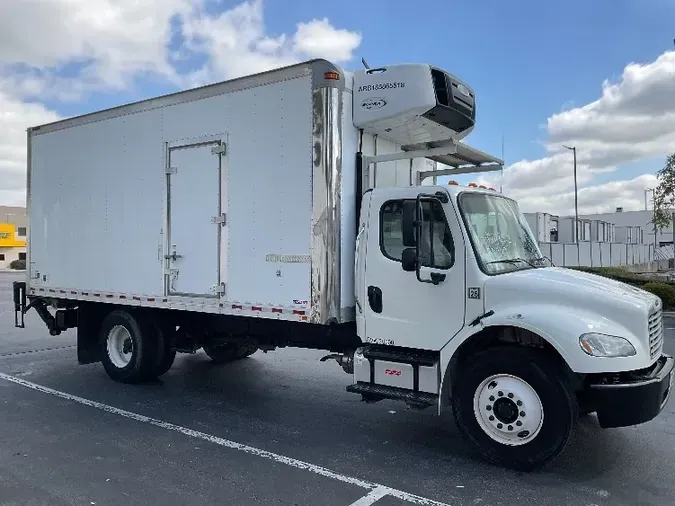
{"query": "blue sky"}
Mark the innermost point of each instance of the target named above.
(526, 60)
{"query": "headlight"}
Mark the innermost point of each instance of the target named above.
(602, 345)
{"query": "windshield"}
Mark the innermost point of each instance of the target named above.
(500, 235)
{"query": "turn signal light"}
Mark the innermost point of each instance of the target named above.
(452, 182)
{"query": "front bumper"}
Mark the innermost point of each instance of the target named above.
(632, 401)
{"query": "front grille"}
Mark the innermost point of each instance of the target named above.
(655, 325)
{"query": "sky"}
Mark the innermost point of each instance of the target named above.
(598, 75)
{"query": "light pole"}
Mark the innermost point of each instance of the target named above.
(653, 210)
(576, 193)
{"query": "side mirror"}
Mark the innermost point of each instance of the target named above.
(409, 259)
(408, 225)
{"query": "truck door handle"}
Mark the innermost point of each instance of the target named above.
(173, 256)
(375, 298)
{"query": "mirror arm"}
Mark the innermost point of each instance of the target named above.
(435, 278)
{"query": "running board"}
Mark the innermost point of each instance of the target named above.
(374, 393)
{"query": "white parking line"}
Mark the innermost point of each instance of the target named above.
(377, 491)
(372, 497)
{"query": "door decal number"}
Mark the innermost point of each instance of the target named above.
(474, 292)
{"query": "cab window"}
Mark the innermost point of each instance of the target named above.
(436, 245)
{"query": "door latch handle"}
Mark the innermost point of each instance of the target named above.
(173, 256)
(375, 298)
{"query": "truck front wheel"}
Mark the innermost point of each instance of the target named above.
(515, 406)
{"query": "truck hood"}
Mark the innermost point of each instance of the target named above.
(578, 291)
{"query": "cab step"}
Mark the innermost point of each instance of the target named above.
(374, 393)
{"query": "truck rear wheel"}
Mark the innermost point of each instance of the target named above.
(515, 406)
(129, 347)
(228, 352)
(167, 353)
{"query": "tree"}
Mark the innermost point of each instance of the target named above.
(664, 194)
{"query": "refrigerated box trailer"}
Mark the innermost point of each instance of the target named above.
(296, 208)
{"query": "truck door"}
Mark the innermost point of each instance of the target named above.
(399, 309)
(196, 199)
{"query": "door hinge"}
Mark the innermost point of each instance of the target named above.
(218, 289)
(222, 219)
(220, 149)
(171, 170)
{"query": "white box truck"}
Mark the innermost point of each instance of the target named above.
(243, 216)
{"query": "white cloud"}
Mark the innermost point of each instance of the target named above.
(64, 49)
(15, 117)
(111, 39)
(633, 120)
(236, 42)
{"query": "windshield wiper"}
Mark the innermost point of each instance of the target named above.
(514, 261)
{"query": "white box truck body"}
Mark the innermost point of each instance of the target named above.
(298, 207)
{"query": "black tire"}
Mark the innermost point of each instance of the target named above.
(228, 352)
(141, 342)
(167, 353)
(558, 403)
(246, 351)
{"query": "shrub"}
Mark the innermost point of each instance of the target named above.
(665, 291)
(18, 265)
(616, 273)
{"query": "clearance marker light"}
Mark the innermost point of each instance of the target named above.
(333, 76)
(452, 183)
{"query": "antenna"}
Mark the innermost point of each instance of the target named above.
(501, 182)
(365, 64)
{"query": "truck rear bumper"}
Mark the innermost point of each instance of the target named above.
(634, 401)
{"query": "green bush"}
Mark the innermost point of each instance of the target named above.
(18, 265)
(617, 273)
(666, 291)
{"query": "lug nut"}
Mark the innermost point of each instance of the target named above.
(519, 403)
(519, 423)
(510, 427)
(489, 408)
(492, 418)
(510, 396)
(522, 413)
(492, 398)
(499, 426)
(500, 394)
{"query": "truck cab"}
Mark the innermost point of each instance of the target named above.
(458, 307)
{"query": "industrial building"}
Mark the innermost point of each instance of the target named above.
(600, 240)
(13, 233)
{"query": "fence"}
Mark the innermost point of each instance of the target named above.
(597, 254)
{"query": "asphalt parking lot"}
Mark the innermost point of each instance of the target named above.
(276, 428)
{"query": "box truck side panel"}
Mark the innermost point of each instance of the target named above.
(120, 198)
(266, 187)
(97, 205)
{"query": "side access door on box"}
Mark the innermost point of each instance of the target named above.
(196, 242)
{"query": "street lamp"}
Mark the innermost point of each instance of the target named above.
(647, 190)
(576, 193)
